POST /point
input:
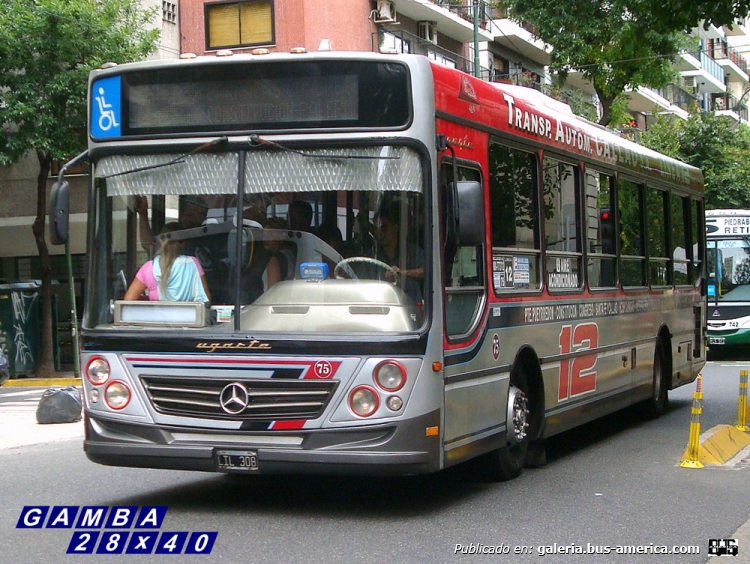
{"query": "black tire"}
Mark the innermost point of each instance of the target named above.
(507, 462)
(657, 403)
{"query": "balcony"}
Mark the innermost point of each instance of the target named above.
(465, 9)
(679, 97)
(405, 42)
(452, 17)
(728, 57)
(728, 105)
(710, 78)
(518, 37)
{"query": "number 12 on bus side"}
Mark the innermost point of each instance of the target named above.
(576, 374)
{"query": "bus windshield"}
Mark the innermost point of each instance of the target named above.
(326, 239)
(729, 270)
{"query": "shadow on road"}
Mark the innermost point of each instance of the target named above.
(372, 496)
(603, 429)
(316, 495)
(728, 354)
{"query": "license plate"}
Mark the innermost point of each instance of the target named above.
(716, 340)
(236, 460)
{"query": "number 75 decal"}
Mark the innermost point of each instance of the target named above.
(576, 374)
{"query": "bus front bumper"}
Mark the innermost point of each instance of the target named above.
(394, 448)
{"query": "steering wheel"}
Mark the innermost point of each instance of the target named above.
(379, 263)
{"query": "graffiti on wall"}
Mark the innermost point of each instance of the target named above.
(22, 307)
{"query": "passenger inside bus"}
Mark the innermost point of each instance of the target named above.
(192, 214)
(172, 275)
(300, 215)
(280, 251)
(259, 268)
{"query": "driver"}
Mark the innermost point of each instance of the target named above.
(388, 250)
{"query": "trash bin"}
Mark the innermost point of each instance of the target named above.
(20, 326)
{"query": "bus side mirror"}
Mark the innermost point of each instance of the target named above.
(59, 213)
(468, 212)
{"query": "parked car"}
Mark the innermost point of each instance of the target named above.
(4, 367)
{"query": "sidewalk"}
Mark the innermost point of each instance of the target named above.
(65, 378)
(18, 426)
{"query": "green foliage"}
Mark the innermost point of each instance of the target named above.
(621, 118)
(47, 48)
(620, 44)
(612, 44)
(687, 14)
(716, 145)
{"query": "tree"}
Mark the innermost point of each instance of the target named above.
(716, 145)
(47, 48)
(620, 44)
(687, 14)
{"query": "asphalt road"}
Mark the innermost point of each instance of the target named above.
(613, 482)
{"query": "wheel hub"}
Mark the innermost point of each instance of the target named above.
(518, 416)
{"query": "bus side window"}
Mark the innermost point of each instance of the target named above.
(681, 250)
(659, 273)
(632, 251)
(515, 238)
(600, 229)
(561, 220)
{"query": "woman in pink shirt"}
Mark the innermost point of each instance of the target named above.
(171, 276)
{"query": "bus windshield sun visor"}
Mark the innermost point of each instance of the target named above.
(177, 160)
(255, 141)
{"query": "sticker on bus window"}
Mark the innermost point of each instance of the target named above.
(502, 272)
(521, 270)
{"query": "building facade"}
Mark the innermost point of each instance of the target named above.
(467, 34)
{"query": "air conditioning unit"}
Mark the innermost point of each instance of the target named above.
(428, 31)
(689, 81)
(385, 12)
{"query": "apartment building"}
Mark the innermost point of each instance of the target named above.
(470, 35)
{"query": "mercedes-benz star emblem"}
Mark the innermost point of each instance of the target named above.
(234, 398)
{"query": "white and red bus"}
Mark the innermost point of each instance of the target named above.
(728, 264)
(429, 268)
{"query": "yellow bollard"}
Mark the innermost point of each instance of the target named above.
(742, 403)
(695, 427)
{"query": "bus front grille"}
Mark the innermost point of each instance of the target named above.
(238, 399)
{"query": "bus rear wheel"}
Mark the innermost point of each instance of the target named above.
(657, 403)
(507, 462)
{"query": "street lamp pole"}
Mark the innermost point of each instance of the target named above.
(477, 72)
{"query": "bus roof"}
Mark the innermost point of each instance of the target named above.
(493, 107)
(524, 112)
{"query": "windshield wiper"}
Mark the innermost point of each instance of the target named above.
(177, 160)
(256, 141)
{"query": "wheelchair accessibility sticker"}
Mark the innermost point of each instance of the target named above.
(106, 108)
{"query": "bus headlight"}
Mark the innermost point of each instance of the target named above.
(390, 375)
(363, 401)
(117, 395)
(97, 371)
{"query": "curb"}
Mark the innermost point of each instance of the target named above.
(41, 382)
(719, 444)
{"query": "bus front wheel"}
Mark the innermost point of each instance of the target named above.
(507, 462)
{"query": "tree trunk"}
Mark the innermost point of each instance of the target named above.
(45, 366)
(606, 105)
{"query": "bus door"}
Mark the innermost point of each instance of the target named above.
(472, 398)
